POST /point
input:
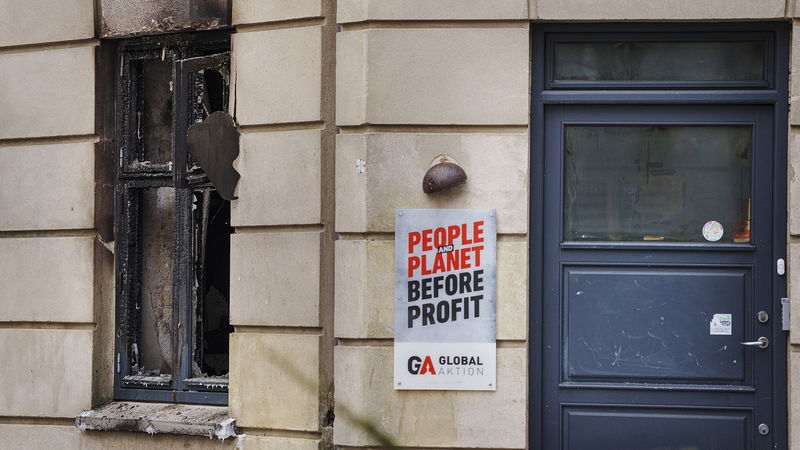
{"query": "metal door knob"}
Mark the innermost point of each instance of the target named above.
(762, 342)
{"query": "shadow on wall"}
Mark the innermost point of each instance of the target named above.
(368, 425)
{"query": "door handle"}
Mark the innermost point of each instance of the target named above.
(762, 342)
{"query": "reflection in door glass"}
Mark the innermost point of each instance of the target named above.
(657, 183)
(660, 61)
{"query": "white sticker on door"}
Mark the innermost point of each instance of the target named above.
(721, 325)
(712, 231)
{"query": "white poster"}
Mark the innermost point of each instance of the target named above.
(721, 324)
(445, 284)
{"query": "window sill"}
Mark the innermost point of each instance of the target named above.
(152, 418)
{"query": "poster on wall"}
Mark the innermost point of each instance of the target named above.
(444, 307)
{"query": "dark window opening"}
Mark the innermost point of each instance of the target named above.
(212, 271)
(215, 94)
(153, 114)
(173, 227)
(208, 93)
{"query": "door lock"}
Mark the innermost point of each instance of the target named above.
(763, 429)
(762, 342)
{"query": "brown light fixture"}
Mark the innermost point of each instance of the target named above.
(444, 174)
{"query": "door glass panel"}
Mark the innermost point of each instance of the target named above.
(660, 61)
(657, 183)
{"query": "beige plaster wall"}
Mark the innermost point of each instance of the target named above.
(281, 372)
(412, 82)
(38, 21)
(57, 302)
(416, 80)
(431, 76)
(47, 223)
(318, 85)
(350, 11)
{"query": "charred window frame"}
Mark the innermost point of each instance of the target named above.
(173, 229)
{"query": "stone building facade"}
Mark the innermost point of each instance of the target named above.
(315, 86)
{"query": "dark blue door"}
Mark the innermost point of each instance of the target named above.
(657, 266)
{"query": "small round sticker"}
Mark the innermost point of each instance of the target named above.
(712, 231)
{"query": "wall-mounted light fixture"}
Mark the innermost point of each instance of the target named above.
(443, 174)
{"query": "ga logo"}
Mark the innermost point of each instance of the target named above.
(416, 366)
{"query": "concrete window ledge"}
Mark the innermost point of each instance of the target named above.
(195, 420)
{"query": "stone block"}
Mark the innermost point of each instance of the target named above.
(496, 167)
(793, 270)
(282, 443)
(278, 75)
(512, 290)
(351, 77)
(257, 11)
(274, 381)
(793, 173)
(39, 436)
(663, 10)
(38, 21)
(101, 440)
(47, 186)
(152, 417)
(47, 279)
(47, 92)
(27, 437)
(122, 18)
(364, 289)
(365, 286)
(434, 76)
(794, 391)
(363, 10)
(51, 374)
(794, 108)
(275, 279)
(281, 175)
(431, 419)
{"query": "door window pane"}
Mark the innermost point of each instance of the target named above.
(660, 61)
(657, 183)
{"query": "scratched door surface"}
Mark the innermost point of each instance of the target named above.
(657, 261)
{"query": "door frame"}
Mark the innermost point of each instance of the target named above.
(775, 95)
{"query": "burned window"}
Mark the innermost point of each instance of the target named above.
(173, 223)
